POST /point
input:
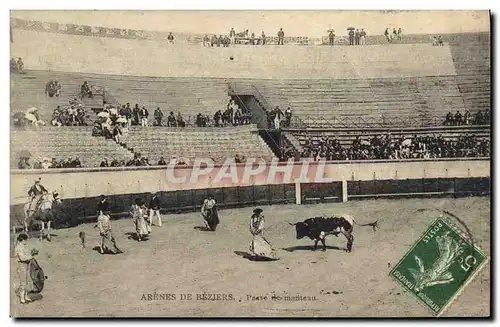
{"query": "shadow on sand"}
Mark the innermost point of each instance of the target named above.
(133, 236)
(202, 228)
(311, 247)
(251, 257)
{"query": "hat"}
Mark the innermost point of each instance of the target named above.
(257, 211)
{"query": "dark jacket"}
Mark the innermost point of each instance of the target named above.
(103, 206)
(34, 191)
(154, 203)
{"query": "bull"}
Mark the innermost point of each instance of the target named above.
(318, 228)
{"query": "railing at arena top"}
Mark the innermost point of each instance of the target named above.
(364, 122)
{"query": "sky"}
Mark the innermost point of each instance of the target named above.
(296, 23)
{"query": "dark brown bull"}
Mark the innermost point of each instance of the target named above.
(318, 228)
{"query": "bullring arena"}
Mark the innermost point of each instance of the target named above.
(357, 92)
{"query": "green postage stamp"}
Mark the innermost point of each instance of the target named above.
(439, 265)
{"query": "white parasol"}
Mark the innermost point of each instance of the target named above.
(406, 142)
(32, 109)
(103, 114)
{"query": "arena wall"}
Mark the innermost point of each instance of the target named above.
(78, 183)
(339, 181)
(60, 52)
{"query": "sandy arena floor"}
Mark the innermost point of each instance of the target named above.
(181, 259)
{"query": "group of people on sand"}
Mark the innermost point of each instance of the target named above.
(31, 276)
(143, 218)
(260, 248)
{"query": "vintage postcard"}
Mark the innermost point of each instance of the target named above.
(250, 164)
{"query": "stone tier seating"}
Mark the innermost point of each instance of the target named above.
(372, 99)
(186, 95)
(346, 137)
(28, 90)
(473, 66)
(65, 142)
(215, 143)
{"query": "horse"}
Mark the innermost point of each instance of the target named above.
(43, 213)
(212, 218)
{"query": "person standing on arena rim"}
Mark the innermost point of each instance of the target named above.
(331, 37)
(362, 37)
(232, 35)
(281, 36)
(351, 37)
(154, 208)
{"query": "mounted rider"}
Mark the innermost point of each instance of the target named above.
(36, 193)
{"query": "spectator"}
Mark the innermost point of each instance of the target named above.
(75, 163)
(281, 36)
(449, 119)
(351, 37)
(144, 114)
(394, 34)
(362, 37)
(135, 115)
(180, 120)
(263, 38)
(400, 34)
(206, 41)
(440, 40)
(85, 90)
(24, 164)
(13, 66)
(104, 163)
(331, 37)
(117, 133)
(288, 117)
(20, 66)
(278, 114)
(232, 36)
(170, 38)
(386, 33)
(357, 35)
(162, 162)
(171, 122)
(252, 39)
(479, 120)
(458, 118)
(52, 88)
(158, 114)
(114, 163)
(486, 117)
(467, 118)
(434, 41)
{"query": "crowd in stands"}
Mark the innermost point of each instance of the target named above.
(72, 115)
(394, 36)
(240, 38)
(458, 119)
(17, 66)
(46, 163)
(141, 161)
(386, 147)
